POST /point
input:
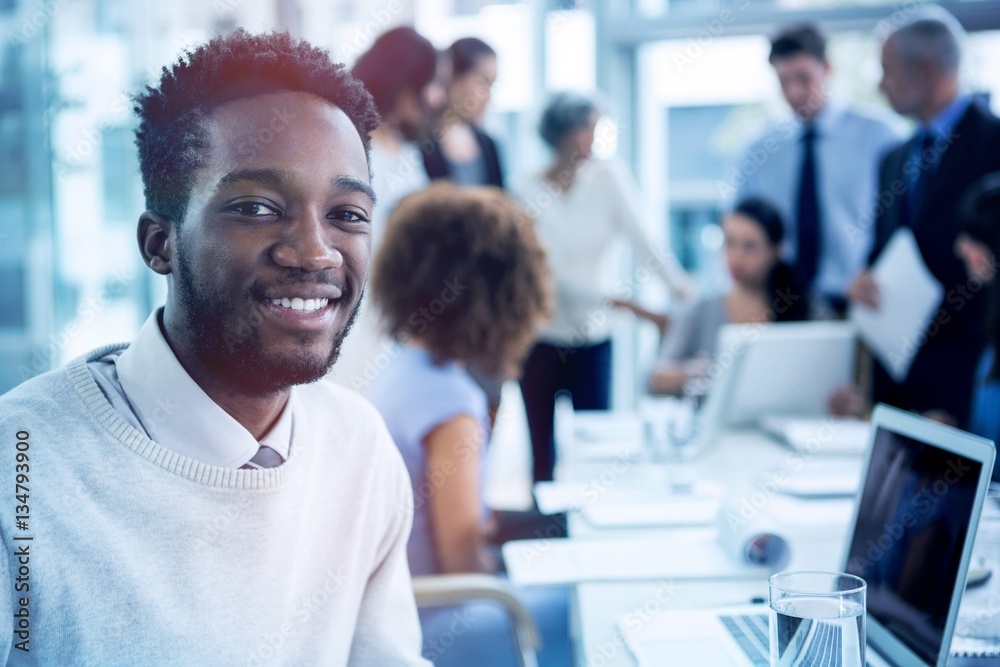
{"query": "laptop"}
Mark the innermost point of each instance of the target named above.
(758, 372)
(911, 540)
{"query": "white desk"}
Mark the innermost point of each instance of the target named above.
(751, 466)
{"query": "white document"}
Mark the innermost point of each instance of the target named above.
(570, 561)
(823, 435)
(691, 511)
(910, 295)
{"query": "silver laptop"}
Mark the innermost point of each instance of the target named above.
(759, 370)
(911, 540)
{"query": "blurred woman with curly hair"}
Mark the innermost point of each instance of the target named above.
(463, 284)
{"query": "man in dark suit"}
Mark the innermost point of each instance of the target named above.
(920, 185)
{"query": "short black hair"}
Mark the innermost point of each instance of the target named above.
(399, 60)
(466, 52)
(170, 136)
(566, 113)
(803, 38)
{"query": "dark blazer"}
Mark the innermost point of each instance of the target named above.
(941, 376)
(437, 166)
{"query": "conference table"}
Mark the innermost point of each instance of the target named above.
(753, 471)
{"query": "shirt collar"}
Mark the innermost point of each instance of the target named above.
(943, 124)
(179, 415)
(828, 116)
(825, 120)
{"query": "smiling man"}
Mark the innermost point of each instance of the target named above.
(191, 498)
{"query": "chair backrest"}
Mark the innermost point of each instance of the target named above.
(454, 589)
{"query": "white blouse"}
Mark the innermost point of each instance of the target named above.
(578, 228)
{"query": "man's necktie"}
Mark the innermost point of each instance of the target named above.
(926, 163)
(807, 255)
(264, 458)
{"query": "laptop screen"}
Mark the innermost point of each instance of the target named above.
(911, 529)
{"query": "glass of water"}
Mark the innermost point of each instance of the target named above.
(817, 618)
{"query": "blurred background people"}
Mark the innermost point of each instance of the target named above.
(978, 245)
(408, 79)
(581, 205)
(462, 279)
(920, 184)
(461, 151)
(764, 288)
(819, 168)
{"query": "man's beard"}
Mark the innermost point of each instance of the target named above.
(236, 351)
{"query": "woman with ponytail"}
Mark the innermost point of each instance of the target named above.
(764, 289)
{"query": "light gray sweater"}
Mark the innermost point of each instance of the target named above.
(140, 556)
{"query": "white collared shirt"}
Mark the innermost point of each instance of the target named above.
(849, 146)
(147, 385)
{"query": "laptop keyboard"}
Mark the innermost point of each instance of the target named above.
(751, 632)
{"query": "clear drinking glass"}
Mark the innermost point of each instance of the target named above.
(817, 618)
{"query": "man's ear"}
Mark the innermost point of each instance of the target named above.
(157, 239)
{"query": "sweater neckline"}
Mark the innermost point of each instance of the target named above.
(100, 409)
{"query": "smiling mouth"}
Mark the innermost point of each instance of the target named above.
(300, 304)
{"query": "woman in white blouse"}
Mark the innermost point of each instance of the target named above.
(582, 205)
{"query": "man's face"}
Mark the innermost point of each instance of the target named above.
(272, 257)
(803, 83)
(901, 82)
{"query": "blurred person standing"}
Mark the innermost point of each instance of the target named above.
(581, 205)
(461, 151)
(408, 79)
(920, 184)
(819, 168)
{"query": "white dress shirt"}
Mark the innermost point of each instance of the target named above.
(150, 389)
(849, 146)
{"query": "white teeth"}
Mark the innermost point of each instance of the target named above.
(300, 304)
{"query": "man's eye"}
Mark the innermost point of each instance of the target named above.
(251, 209)
(348, 216)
